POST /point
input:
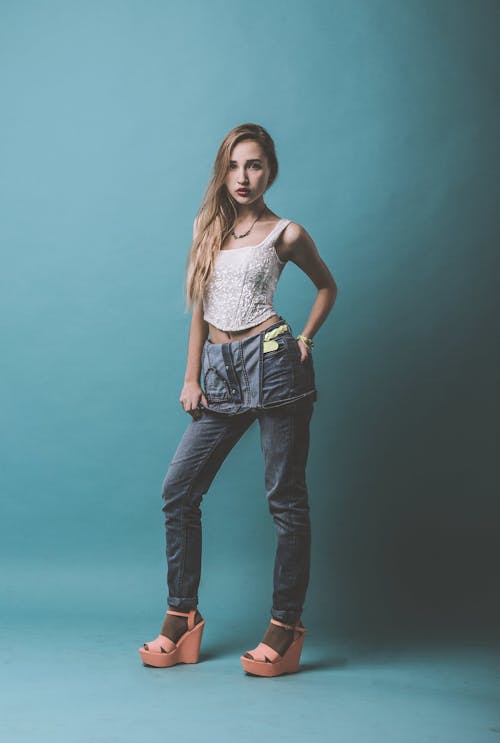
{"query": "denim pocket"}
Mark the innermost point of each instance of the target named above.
(277, 373)
(280, 346)
(216, 384)
(304, 377)
(216, 387)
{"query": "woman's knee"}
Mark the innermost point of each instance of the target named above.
(180, 489)
(174, 488)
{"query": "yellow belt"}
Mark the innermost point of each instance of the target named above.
(269, 344)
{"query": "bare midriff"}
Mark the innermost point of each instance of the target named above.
(224, 336)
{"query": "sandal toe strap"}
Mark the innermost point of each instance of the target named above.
(161, 644)
(263, 651)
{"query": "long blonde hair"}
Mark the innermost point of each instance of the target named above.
(217, 214)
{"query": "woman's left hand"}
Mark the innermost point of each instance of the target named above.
(304, 350)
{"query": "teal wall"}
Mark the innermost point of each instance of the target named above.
(385, 118)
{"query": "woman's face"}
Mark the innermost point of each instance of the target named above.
(249, 170)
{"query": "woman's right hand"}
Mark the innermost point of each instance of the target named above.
(191, 396)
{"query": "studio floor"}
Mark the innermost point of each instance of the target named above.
(70, 680)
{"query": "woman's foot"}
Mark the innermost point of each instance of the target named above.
(178, 642)
(278, 653)
(174, 626)
(278, 638)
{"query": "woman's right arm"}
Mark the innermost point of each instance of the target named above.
(192, 393)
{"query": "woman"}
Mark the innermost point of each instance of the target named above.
(252, 368)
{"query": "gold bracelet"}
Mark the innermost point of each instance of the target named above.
(308, 341)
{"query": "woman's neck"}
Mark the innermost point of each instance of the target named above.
(247, 213)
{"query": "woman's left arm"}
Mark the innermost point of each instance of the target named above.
(298, 246)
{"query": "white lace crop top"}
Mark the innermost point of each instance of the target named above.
(240, 291)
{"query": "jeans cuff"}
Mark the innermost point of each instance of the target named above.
(182, 604)
(287, 616)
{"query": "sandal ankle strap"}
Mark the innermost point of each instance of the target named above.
(288, 626)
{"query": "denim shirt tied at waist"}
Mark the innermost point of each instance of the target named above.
(240, 374)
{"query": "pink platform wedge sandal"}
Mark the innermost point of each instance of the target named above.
(163, 652)
(267, 662)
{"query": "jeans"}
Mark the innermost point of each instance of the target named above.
(243, 383)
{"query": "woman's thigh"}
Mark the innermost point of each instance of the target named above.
(285, 437)
(205, 444)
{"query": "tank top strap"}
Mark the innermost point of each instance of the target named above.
(278, 229)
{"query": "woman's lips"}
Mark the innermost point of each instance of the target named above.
(243, 191)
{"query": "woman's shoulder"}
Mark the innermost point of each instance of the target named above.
(292, 231)
(289, 226)
(292, 240)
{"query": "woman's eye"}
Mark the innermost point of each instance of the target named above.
(257, 166)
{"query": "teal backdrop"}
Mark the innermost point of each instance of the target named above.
(385, 117)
